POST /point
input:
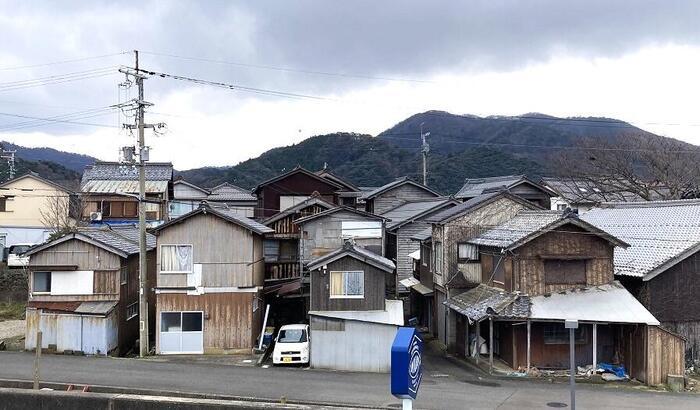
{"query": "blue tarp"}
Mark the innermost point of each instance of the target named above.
(618, 371)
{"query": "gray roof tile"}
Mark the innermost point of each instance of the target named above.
(476, 186)
(410, 210)
(115, 171)
(522, 225)
(658, 232)
(483, 301)
(124, 238)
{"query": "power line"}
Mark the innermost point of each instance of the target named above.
(75, 60)
(58, 79)
(58, 119)
(289, 69)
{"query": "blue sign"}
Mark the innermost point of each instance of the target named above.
(406, 363)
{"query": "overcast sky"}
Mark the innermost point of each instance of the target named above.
(368, 65)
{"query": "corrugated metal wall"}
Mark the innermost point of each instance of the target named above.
(361, 346)
(85, 333)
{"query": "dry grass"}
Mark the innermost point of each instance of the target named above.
(12, 310)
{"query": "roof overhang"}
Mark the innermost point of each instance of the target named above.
(80, 237)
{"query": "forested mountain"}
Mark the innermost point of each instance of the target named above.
(461, 146)
(46, 169)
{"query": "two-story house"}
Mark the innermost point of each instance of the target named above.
(83, 291)
(395, 193)
(661, 267)
(110, 192)
(519, 185)
(293, 187)
(544, 267)
(352, 323)
(187, 197)
(210, 267)
(29, 204)
(455, 267)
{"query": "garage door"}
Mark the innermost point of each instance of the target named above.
(181, 332)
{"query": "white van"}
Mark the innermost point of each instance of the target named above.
(292, 345)
(14, 255)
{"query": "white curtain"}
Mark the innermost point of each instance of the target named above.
(176, 258)
(354, 283)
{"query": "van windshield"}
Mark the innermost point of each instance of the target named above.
(19, 249)
(292, 336)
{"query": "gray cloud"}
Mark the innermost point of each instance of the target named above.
(411, 39)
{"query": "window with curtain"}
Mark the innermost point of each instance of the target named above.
(176, 258)
(347, 284)
(467, 252)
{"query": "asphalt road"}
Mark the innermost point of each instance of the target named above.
(445, 385)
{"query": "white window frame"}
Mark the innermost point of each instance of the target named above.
(346, 296)
(160, 264)
(467, 260)
(160, 331)
(41, 292)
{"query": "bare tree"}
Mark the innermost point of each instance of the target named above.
(62, 214)
(633, 168)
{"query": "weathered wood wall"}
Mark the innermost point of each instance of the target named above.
(691, 332)
(296, 184)
(374, 298)
(323, 235)
(397, 196)
(225, 251)
(528, 264)
(106, 282)
(75, 252)
(666, 355)
(229, 318)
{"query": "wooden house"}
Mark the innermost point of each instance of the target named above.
(210, 267)
(291, 188)
(352, 323)
(83, 291)
(541, 268)
(661, 267)
(187, 197)
(519, 185)
(454, 267)
(110, 190)
(395, 193)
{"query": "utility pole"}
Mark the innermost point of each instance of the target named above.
(425, 148)
(143, 156)
(10, 157)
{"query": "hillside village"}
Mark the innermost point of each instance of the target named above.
(489, 273)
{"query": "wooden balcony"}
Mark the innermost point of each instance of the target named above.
(282, 270)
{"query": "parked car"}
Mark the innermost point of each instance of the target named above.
(292, 345)
(14, 255)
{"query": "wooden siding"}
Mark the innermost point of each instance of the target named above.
(666, 355)
(397, 196)
(672, 296)
(286, 228)
(74, 252)
(469, 226)
(324, 235)
(227, 252)
(374, 298)
(691, 332)
(528, 264)
(405, 246)
(295, 184)
(106, 282)
(229, 319)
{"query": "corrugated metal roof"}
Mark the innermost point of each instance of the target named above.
(476, 186)
(357, 252)
(423, 235)
(230, 192)
(393, 184)
(116, 187)
(462, 208)
(610, 303)
(115, 171)
(392, 315)
(660, 233)
(96, 307)
(411, 210)
(484, 301)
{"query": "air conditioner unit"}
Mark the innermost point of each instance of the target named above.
(95, 216)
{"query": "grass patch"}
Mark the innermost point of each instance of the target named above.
(12, 310)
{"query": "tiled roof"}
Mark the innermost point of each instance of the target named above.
(476, 186)
(230, 192)
(115, 171)
(483, 301)
(660, 233)
(527, 225)
(461, 208)
(579, 191)
(314, 200)
(331, 211)
(124, 238)
(119, 186)
(393, 184)
(411, 210)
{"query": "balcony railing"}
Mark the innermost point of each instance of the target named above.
(282, 270)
